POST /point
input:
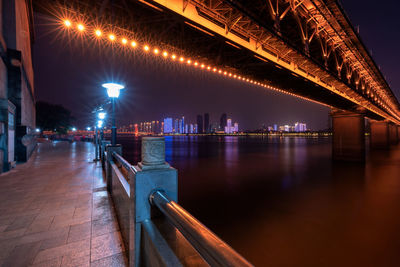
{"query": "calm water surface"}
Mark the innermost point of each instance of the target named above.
(283, 202)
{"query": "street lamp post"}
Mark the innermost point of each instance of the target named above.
(113, 92)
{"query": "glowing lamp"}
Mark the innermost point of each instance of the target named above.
(165, 53)
(67, 23)
(88, 128)
(99, 124)
(146, 48)
(133, 44)
(102, 115)
(98, 33)
(124, 41)
(37, 130)
(74, 129)
(111, 37)
(113, 89)
(81, 27)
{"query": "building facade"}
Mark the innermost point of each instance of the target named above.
(17, 102)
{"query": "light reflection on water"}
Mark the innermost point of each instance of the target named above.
(281, 201)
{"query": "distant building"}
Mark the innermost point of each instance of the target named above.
(199, 124)
(228, 127)
(168, 126)
(206, 123)
(222, 121)
(300, 127)
(176, 126)
(236, 127)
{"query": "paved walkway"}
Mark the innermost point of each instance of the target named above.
(55, 211)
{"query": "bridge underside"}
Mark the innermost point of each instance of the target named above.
(170, 30)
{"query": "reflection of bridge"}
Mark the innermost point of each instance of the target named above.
(306, 48)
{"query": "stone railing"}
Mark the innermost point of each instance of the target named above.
(155, 229)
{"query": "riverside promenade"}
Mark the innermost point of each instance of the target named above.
(55, 211)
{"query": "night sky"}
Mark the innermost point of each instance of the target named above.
(70, 72)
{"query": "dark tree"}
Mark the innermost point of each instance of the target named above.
(50, 117)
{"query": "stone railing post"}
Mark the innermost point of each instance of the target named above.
(152, 173)
(110, 149)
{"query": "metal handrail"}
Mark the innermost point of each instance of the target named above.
(122, 161)
(213, 250)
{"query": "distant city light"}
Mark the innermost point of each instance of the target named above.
(37, 130)
(99, 124)
(73, 129)
(113, 89)
(88, 128)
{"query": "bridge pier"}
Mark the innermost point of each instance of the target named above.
(380, 134)
(348, 136)
(393, 135)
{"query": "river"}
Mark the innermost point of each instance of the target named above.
(281, 201)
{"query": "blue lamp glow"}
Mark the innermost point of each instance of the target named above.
(113, 92)
(113, 89)
(74, 129)
(88, 128)
(102, 115)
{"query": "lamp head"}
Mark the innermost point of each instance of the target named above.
(113, 89)
(102, 115)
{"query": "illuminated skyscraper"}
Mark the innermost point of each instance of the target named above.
(168, 125)
(236, 127)
(176, 126)
(228, 127)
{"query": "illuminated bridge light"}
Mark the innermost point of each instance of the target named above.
(67, 23)
(81, 27)
(146, 48)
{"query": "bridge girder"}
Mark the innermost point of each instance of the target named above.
(326, 52)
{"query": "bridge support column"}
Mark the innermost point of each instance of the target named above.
(393, 138)
(348, 136)
(379, 134)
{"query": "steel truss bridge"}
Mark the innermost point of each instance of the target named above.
(304, 47)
